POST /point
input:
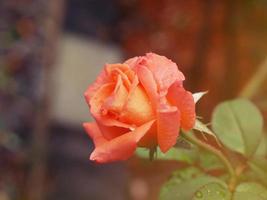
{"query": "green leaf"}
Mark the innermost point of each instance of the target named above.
(212, 191)
(184, 155)
(184, 183)
(262, 148)
(199, 126)
(209, 161)
(259, 167)
(250, 191)
(183, 143)
(238, 124)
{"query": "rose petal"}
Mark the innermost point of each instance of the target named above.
(120, 148)
(116, 101)
(102, 79)
(164, 71)
(111, 67)
(112, 128)
(94, 133)
(150, 139)
(168, 122)
(133, 86)
(137, 109)
(184, 101)
(95, 102)
(113, 70)
(115, 128)
(147, 80)
(133, 62)
(107, 121)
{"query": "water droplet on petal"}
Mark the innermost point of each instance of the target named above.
(132, 128)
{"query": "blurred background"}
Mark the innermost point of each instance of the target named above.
(51, 50)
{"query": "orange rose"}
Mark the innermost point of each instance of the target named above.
(141, 102)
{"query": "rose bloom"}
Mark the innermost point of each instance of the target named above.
(141, 102)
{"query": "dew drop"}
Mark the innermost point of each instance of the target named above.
(132, 128)
(199, 194)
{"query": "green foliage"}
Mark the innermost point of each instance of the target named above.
(212, 191)
(183, 143)
(238, 124)
(262, 148)
(184, 155)
(185, 183)
(208, 161)
(193, 156)
(199, 126)
(259, 166)
(251, 191)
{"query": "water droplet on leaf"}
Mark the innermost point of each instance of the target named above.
(199, 194)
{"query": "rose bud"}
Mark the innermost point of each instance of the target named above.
(139, 103)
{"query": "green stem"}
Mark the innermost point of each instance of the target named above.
(216, 152)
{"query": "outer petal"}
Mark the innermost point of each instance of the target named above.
(133, 62)
(168, 122)
(184, 101)
(99, 96)
(102, 79)
(120, 148)
(164, 71)
(109, 126)
(150, 139)
(94, 133)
